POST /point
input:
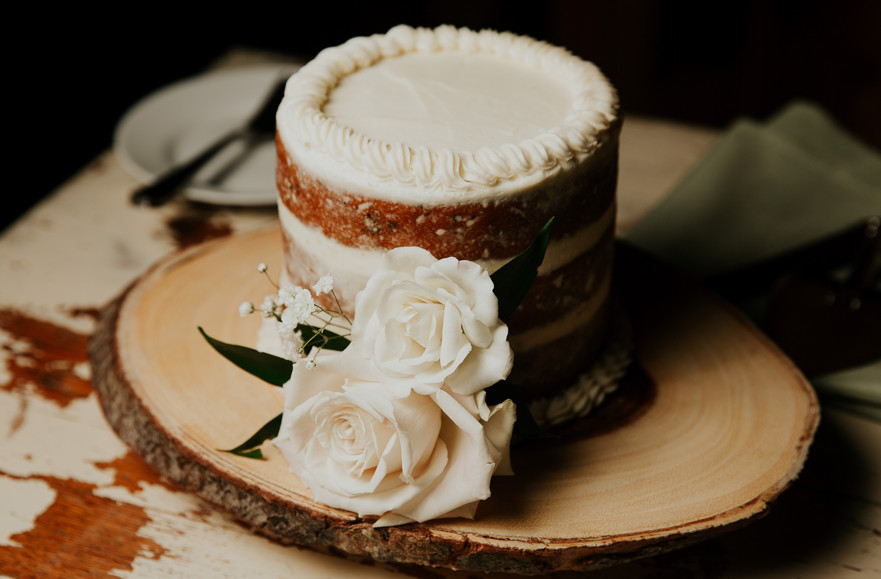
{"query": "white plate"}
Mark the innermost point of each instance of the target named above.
(174, 123)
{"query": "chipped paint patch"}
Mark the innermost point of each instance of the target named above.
(43, 356)
(79, 535)
(191, 228)
(130, 472)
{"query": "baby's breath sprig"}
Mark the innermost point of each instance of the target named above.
(303, 324)
(264, 269)
(246, 308)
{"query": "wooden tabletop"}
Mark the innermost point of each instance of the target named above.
(77, 502)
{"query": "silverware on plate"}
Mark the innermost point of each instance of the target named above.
(170, 183)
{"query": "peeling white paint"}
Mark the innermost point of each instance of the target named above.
(83, 370)
(63, 442)
(152, 496)
(218, 547)
(21, 502)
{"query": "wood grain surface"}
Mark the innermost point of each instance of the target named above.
(725, 432)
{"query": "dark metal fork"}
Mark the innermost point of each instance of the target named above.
(261, 123)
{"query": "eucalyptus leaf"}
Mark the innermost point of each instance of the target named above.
(249, 448)
(265, 366)
(512, 281)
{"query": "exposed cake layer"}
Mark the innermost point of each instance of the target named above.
(573, 272)
(481, 229)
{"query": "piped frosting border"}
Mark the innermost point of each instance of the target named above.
(343, 156)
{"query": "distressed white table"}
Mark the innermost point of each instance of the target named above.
(76, 502)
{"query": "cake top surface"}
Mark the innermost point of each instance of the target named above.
(458, 101)
(444, 114)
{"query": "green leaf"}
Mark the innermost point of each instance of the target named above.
(249, 448)
(321, 338)
(256, 454)
(513, 280)
(265, 366)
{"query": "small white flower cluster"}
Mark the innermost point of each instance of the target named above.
(324, 285)
(292, 306)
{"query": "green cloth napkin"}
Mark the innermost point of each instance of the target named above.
(764, 189)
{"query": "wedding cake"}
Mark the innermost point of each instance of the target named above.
(463, 143)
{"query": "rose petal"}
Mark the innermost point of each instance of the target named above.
(455, 346)
(484, 366)
(407, 258)
(467, 274)
(387, 500)
(353, 444)
(471, 464)
(498, 429)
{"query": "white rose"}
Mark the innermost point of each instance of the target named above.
(426, 323)
(414, 458)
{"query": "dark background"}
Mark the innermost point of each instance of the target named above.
(76, 71)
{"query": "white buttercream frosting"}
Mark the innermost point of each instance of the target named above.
(357, 124)
(459, 101)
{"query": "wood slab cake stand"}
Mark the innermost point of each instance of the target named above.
(726, 429)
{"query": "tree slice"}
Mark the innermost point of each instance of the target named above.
(725, 430)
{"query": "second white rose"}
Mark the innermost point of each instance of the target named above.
(413, 458)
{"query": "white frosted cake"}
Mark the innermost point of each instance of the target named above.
(464, 143)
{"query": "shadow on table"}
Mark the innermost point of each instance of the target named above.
(806, 527)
